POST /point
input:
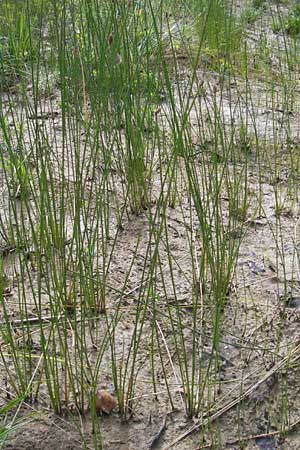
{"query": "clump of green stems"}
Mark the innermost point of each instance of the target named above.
(112, 148)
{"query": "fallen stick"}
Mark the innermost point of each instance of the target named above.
(253, 436)
(292, 357)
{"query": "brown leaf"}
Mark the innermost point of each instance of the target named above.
(105, 402)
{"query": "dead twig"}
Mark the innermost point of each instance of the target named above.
(290, 358)
(33, 320)
(254, 436)
(178, 381)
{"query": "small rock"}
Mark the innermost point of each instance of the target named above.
(266, 443)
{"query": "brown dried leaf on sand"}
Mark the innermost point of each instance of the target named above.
(105, 402)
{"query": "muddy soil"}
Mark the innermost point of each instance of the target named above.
(252, 391)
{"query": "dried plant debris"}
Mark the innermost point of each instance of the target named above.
(105, 402)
